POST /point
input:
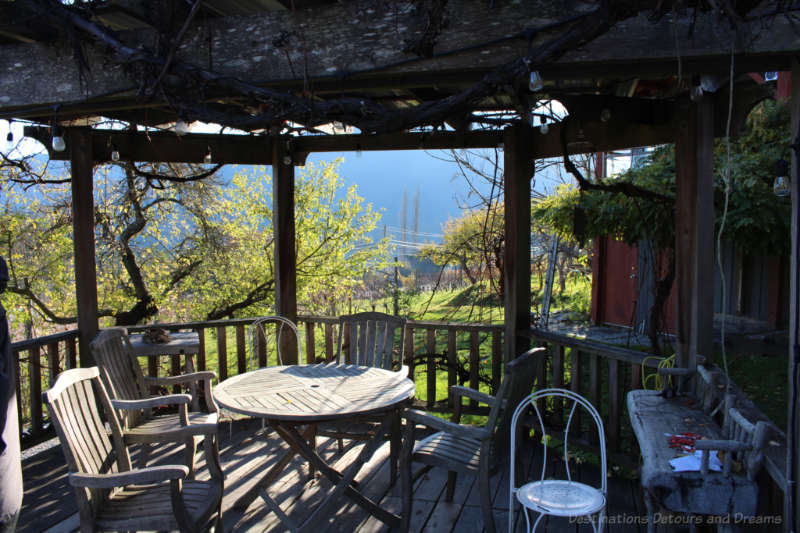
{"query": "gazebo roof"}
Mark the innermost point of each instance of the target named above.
(263, 65)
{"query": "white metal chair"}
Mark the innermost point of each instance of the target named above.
(258, 339)
(557, 497)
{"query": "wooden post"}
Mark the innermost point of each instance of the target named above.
(518, 171)
(694, 232)
(284, 242)
(704, 265)
(80, 147)
(792, 510)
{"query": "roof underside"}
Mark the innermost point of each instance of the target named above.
(264, 64)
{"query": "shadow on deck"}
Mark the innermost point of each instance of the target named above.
(247, 453)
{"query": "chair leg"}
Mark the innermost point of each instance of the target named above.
(486, 499)
(451, 486)
(189, 451)
(395, 443)
(405, 477)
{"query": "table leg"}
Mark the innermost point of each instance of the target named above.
(396, 443)
(343, 482)
(260, 488)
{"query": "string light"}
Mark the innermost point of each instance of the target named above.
(696, 92)
(59, 145)
(207, 158)
(181, 127)
(114, 152)
(544, 128)
(605, 115)
(782, 186)
(535, 83)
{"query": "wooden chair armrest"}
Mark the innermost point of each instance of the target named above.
(728, 446)
(458, 391)
(182, 433)
(143, 476)
(205, 375)
(155, 401)
(457, 430)
(675, 371)
(721, 445)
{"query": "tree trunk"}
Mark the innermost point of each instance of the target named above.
(662, 289)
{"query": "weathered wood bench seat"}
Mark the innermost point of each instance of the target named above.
(652, 415)
(655, 416)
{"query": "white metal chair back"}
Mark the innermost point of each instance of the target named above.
(258, 335)
(566, 498)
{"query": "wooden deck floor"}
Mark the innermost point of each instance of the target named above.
(49, 504)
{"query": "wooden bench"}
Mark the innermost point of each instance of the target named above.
(655, 415)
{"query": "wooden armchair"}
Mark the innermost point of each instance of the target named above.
(367, 339)
(469, 449)
(111, 496)
(129, 387)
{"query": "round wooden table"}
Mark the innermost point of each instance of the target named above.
(291, 396)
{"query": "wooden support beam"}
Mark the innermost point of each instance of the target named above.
(518, 169)
(592, 136)
(371, 46)
(80, 150)
(705, 265)
(694, 232)
(284, 243)
(792, 512)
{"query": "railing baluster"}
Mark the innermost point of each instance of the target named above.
(346, 343)
(261, 346)
(594, 387)
(222, 353)
(201, 351)
(474, 363)
(575, 386)
(613, 422)
(329, 343)
(241, 350)
(409, 352)
(558, 381)
(636, 377)
(35, 384)
(311, 347)
(497, 360)
(452, 363)
(53, 364)
(72, 352)
(430, 348)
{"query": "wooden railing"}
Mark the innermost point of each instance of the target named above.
(466, 354)
(601, 373)
(37, 362)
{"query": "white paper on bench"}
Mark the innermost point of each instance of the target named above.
(690, 463)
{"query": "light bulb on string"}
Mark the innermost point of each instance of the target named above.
(58, 143)
(207, 158)
(544, 128)
(696, 91)
(535, 82)
(605, 115)
(782, 185)
(9, 139)
(114, 152)
(181, 127)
